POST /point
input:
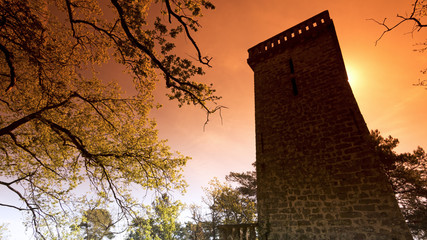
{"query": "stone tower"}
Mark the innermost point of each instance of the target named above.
(318, 177)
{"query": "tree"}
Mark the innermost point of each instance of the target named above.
(200, 228)
(407, 173)
(246, 183)
(159, 223)
(141, 228)
(62, 126)
(230, 204)
(226, 205)
(97, 224)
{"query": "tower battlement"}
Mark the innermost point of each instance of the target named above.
(288, 37)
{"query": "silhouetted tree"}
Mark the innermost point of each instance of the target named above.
(407, 172)
(246, 183)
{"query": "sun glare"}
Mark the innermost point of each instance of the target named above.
(352, 75)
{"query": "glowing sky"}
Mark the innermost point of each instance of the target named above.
(381, 77)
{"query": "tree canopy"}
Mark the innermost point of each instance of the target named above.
(159, 222)
(97, 224)
(62, 127)
(228, 204)
(407, 173)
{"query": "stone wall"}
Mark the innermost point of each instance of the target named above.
(318, 178)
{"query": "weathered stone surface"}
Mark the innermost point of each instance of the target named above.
(317, 176)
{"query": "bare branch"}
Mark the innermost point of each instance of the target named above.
(218, 108)
(388, 28)
(412, 17)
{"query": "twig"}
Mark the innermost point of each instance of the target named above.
(412, 17)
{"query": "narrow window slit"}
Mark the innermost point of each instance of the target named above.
(294, 86)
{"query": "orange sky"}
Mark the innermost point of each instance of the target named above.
(381, 78)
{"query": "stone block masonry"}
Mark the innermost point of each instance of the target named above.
(318, 177)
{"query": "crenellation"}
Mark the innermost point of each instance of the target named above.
(284, 38)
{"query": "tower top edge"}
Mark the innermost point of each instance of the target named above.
(296, 32)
